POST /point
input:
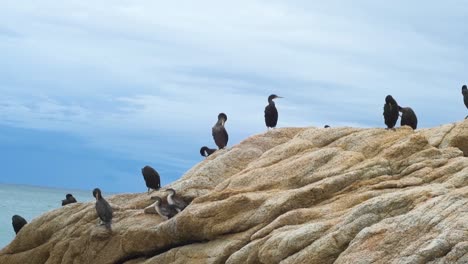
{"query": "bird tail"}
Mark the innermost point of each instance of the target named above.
(108, 225)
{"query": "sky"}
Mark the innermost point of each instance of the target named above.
(92, 91)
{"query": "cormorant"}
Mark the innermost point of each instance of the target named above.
(408, 117)
(205, 151)
(103, 209)
(465, 96)
(390, 112)
(69, 199)
(151, 178)
(326, 126)
(177, 201)
(219, 133)
(18, 223)
(271, 114)
(166, 211)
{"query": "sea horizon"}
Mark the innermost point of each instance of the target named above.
(30, 202)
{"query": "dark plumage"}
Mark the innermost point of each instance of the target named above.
(151, 177)
(206, 151)
(390, 112)
(68, 199)
(326, 126)
(465, 96)
(408, 117)
(103, 209)
(175, 200)
(271, 114)
(219, 133)
(166, 211)
(18, 223)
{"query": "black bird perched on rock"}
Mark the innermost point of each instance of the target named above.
(326, 126)
(206, 151)
(166, 211)
(271, 114)
(103, 209)
(408, 117)
(219, 133)
(390, 111)
(68, 199)
(465, 96)
(18, 223)
(175, 200)
(152, 178)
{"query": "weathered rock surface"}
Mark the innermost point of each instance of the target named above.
(291, 195)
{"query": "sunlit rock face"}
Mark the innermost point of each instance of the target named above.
(290, 195)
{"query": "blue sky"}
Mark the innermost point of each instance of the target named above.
(93, 91)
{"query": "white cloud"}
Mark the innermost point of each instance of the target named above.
(121, 72)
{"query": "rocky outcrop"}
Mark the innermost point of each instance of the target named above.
(291, 195)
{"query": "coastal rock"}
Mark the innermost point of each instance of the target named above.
(290, 195)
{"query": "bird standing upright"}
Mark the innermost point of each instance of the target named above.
(390, 112)
(219, 133)
(465, 96)
(103, 209)
(152, 179)
(271, 114)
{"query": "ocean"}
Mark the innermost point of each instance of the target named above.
(30, 202)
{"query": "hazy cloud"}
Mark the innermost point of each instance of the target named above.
(124, 73)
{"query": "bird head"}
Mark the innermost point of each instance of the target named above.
(68, 196)
(273, 96)
(203, 151)
(97, 193)
(464, 90)
(389, 100)
(222, 116)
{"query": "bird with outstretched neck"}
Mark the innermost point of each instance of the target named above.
(271, 113)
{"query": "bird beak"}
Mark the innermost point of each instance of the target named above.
(279, 97)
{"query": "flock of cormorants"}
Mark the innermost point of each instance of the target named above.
(175, 204)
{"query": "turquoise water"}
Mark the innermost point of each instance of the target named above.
(30, 202)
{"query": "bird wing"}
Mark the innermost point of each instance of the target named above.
(104, 210)
(179, 203)
(390, 115)
(408, 118)
(220, 136)
(271, 116)
(151, 177)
